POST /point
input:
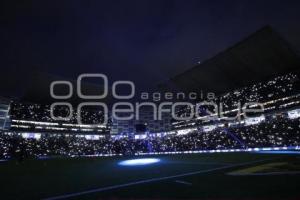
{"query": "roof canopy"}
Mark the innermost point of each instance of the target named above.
(259, 57)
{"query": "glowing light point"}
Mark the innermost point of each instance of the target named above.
(137, 162)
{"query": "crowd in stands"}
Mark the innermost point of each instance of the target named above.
(37, 112)
(281, 92)
(276, 88)
(277, 131)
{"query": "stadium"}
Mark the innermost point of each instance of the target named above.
(228, 126)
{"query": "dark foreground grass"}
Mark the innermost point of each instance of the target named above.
(39, 179)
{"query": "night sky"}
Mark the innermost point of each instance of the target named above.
(143, 41)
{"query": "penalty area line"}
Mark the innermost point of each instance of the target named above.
(76, 194)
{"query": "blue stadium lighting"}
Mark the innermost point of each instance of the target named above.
(138, 162)
(44, 157)
(279, 152)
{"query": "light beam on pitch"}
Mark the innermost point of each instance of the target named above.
(138, 162)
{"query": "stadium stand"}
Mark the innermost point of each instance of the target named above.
(279, 127)
(34, 133)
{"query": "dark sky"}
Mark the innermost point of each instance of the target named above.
(143, 41)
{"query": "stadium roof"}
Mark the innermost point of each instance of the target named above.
(259, 57)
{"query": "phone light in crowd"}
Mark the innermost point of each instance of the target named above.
(294, 114)
(36, 136)
(138, 162)
(254, 120)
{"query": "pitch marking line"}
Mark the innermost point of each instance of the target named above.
(75, 194)
(264, 174)
(183, 182)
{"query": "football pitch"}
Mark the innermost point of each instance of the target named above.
(182, 176)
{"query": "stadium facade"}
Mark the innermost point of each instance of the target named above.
(145, 123)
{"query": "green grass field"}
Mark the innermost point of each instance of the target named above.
(194, 176)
